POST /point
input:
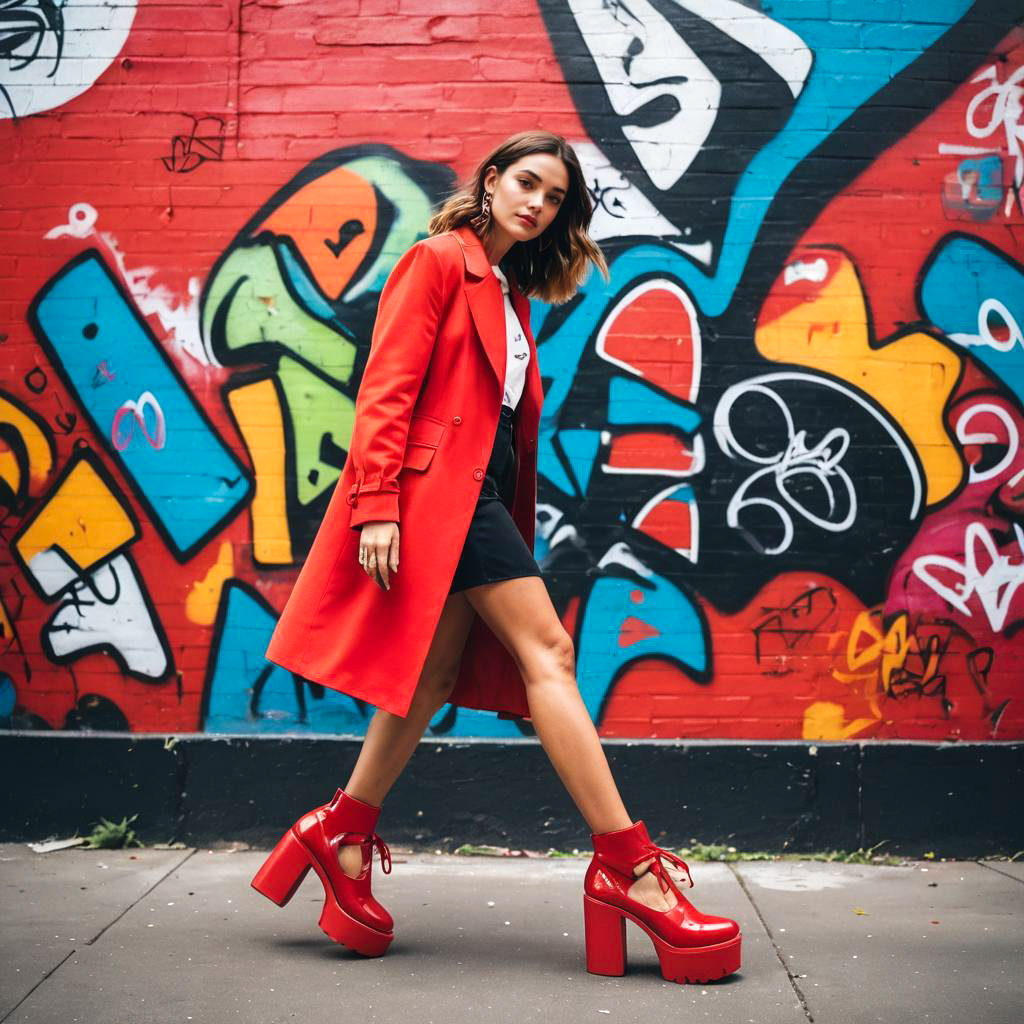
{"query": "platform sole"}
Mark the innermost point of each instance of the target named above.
(605, 937)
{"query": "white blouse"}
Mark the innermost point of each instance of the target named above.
(517, 348)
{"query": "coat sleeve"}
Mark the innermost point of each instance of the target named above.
(408, 315)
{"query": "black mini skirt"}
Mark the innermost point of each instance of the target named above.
(494, 549)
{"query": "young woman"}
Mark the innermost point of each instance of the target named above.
(442, 467)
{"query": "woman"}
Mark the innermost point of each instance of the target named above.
(443, 456)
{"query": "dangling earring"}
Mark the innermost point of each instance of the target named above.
(482, 219)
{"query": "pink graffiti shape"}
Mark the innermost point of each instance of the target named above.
(138, 411)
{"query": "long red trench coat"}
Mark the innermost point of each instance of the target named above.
(426, 417)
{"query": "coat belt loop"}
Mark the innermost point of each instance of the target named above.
(353, 492)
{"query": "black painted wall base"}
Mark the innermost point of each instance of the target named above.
(958, 800)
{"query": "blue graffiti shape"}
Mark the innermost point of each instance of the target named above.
(855, 54)
(188, 479)
(630, 401)
(459, 721)
(852, 61)
(669, 627)
(975, 294)
(246, 693)
(8, 699)
(977, 190)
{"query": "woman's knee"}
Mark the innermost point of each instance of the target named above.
(554, 654)
(436, 683)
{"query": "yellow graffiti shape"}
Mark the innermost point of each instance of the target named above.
(880, 653)
(258, 413)
(825, 720)
(816, 315)
(36, 449)
(82, 524)
(7, 633)
(204, 595)
(873, 656)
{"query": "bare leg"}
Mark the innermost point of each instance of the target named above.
(390, 740)
(520, 614)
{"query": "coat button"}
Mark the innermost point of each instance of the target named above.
(457, 420)
(478, 474)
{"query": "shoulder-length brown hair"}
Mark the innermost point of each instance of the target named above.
(553, 273)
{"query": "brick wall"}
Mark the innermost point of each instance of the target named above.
(782, 474)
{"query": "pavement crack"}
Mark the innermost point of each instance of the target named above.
(999, 871)
(88, 942)
(56, 967)
(142, 896)
(771, 938)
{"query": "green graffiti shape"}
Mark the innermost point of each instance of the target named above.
(263, 311)
(316, 410)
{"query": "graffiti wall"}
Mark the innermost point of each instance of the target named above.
(782, 450)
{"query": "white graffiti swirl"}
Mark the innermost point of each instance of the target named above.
(1014, 334)
(821, 462)
(966, 437)
(985, 573)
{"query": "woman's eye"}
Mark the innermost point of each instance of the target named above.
(526, 183)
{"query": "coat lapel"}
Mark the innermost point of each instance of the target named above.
(487, 307)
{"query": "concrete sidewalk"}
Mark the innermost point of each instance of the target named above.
(172, 936)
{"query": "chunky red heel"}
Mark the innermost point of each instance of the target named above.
(604, 929)
(350, 915)
(283, 871)
(691, 946)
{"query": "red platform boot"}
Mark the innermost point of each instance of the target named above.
(691, 946)
(350, 915)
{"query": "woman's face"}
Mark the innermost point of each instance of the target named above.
(526, 198)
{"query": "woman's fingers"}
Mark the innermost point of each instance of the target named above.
(373, 566)
(382, 563)
(378, 552)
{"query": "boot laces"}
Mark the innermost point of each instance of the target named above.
(371, 840)
(659, 870)
(375, 840)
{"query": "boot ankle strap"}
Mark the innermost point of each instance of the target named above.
(625, 848)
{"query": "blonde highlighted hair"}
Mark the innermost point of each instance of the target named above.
(552, 273)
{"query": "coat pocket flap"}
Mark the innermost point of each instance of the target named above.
(425, 430)
(417, 456)
(425, 433)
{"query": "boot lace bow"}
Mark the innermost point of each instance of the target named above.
(659, 870)
(368, 839)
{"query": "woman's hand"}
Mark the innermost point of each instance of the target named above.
(378, 552)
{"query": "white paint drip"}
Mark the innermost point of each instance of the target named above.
(179, 318)
(801, 270)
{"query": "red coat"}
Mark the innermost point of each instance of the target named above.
(426, 417)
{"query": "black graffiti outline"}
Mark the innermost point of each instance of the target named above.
(791, 637)
(33, 23)
(193, 150)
